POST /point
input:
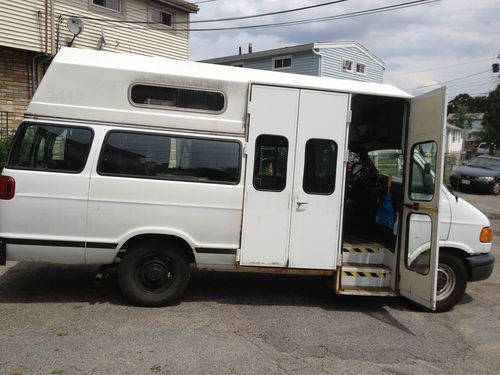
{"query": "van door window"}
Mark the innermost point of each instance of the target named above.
(423, 171)
(271, 152)
(319, 166)
(50, 148)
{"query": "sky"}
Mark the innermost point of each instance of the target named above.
(422, 46)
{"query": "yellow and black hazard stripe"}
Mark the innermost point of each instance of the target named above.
(363, 250)
(363, 274)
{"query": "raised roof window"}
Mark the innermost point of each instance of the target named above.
(178, 98)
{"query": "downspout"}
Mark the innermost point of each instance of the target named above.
(52, 47)
(320, 67)
(46, 50)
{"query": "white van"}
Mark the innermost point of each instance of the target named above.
(157, 166)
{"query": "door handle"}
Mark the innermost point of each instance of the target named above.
(299, 203)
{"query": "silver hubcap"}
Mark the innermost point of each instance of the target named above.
(496, 188)
(446, 282)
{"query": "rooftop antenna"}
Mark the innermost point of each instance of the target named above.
(102, 40)
(75, 26)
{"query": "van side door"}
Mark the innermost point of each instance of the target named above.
(419, 240)
(294, 178)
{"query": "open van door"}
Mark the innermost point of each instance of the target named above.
(419, 240)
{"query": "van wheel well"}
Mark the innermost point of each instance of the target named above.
(156, 240)
(459, 253)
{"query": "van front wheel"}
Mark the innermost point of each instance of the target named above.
(451, 281)
(153, 276)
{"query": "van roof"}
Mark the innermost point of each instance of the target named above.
(166, 66)
(93, 85)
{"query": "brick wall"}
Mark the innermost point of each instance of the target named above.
(15, 85)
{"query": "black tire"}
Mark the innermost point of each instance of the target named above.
(153, 275)
(496, 187)
(451, 282)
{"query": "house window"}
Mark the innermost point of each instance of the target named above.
(114, 5)
(347, 65)
(176, 97)
(162, 17)
(360, 68)
(282, 62)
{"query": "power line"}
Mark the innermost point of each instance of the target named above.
(450, 80)
(323, 19)
(204, 1)
(282, 24)
(269, 13)
(221, 19)
(440, 67)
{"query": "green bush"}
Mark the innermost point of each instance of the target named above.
(5, 140)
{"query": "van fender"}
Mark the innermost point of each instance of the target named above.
(157, 230)
(459, 246)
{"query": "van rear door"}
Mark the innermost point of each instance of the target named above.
(419, 240)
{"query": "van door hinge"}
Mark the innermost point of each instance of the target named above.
(349, 116)
(346, 156)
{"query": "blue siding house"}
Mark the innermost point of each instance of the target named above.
(344, 60)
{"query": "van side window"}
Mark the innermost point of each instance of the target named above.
(50, 148)
(271, 153)
(159, 156)
(163, 96)
(319, 166)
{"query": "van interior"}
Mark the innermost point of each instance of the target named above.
(375, 157)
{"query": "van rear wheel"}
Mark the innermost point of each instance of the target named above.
(451, 281)
(153, 275)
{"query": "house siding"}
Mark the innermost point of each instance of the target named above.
(331, 65)
(133, 38)
(302, 63)
(22, 26)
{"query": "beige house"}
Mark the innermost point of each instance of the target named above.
(32, 31)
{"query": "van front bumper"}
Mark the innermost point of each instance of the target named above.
(480, 266)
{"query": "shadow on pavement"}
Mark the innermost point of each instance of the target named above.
(37, 283)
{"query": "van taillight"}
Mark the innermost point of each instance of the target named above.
(7, 187)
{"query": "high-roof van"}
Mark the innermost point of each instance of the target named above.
(157, 166)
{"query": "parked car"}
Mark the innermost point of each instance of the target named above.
(482, 173)
(483, 148)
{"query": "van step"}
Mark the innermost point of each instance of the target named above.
(365, 275)
(367, 253)
(367, 291)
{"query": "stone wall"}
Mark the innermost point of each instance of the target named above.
(15, 86)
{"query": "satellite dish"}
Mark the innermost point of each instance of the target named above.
(75, 25)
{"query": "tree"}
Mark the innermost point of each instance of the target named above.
(491, 119)
(474, 104)
(462, 117)
(461, 100)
